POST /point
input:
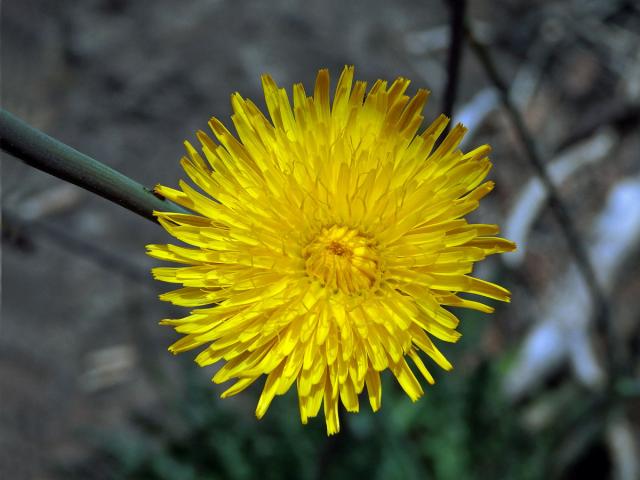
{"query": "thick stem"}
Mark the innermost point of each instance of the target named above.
(45, 153)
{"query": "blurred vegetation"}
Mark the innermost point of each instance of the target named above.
(461, 428)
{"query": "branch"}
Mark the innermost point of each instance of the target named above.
(21, 231)
(558, 208)
(45, 153)
(456, 38)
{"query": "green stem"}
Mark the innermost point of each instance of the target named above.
(45, 153)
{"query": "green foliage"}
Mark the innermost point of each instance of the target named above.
(461, 428)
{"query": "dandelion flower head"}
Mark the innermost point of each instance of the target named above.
(326, 243)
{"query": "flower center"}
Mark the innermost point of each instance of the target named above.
(343, 259)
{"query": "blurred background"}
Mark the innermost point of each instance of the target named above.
(87, 387)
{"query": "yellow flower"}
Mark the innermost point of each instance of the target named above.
(326, 243)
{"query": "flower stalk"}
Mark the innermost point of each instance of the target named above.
(45, 153)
